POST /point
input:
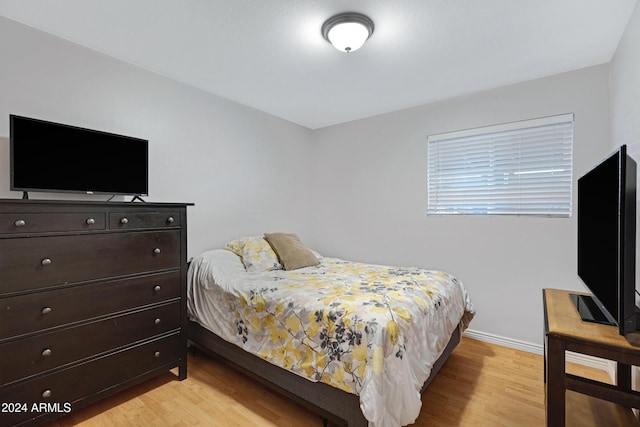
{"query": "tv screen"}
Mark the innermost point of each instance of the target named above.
(54, 157)
(606, 237)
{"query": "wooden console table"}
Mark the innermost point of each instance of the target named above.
(566, 331)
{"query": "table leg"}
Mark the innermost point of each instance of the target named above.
(544, 359)
(555, 385)
(623, 376)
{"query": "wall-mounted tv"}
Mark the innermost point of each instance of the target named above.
(607, 242)
(55, 157)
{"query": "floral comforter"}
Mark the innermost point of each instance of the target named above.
(371, 330)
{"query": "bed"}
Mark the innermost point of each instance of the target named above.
(357, 343)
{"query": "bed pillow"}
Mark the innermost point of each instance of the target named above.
(257, 255)
(291, 252)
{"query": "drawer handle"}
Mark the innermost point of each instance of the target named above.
(156, 354)
(170, 220)
(46, 261)
(157, 321)
(47, 394)
(124, 220)
(91, 221)
(20, 223)
(46, 310)
(157, 251)
(156, 288)
(46, 352)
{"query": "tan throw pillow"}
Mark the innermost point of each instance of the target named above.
(291, 252)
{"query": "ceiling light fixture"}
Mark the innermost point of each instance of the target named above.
(347, 32)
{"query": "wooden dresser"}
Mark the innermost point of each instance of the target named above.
(92, 300)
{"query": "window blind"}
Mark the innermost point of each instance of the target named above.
(520, 168)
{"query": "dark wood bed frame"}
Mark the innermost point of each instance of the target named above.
(330, 403)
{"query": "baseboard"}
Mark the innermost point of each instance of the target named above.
(504, 341)
(580, 359)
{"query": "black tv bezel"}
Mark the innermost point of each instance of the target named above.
(625, 317)
(89, 131)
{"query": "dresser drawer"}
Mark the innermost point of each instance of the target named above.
(137, 220)
(40, 353)
(73, 385)
(15, 223)
(39, 262)
(25, 314)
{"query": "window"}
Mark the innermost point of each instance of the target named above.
(521, 168)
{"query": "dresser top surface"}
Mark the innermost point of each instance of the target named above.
(34, 202)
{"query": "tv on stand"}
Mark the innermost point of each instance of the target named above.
(607, 243)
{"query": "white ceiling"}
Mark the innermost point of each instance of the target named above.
(270, 54)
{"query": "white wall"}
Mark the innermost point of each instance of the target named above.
(235, 163)
(364, 182)
(370, 198)
(625, 89)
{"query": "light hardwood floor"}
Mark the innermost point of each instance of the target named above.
(480, 385)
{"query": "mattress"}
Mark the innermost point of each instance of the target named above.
(371, 330)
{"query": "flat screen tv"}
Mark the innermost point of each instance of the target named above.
(55, 157)
(607, 241)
